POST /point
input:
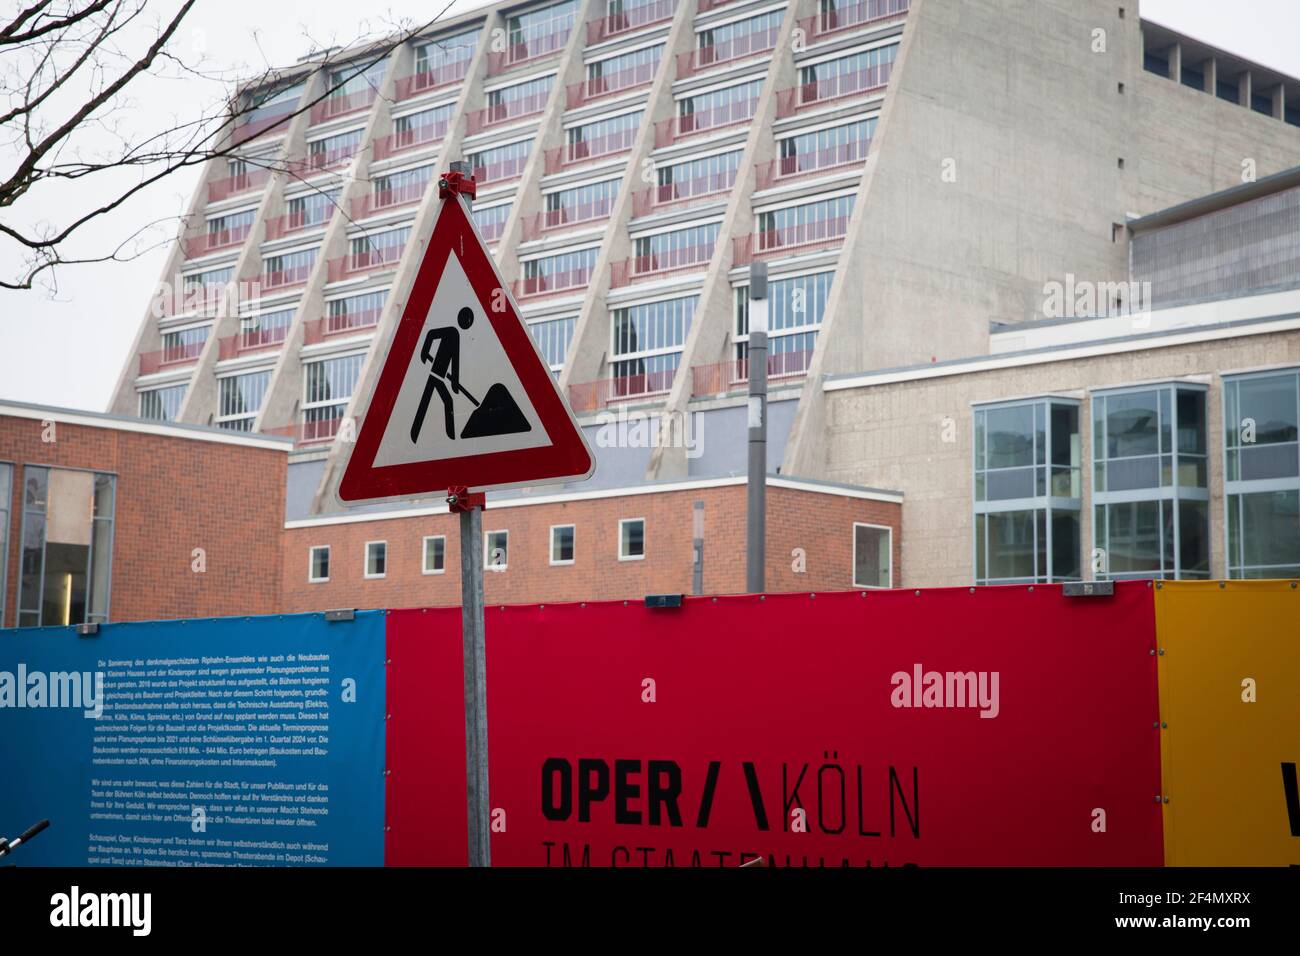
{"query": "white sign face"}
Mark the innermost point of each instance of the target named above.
(460, 395)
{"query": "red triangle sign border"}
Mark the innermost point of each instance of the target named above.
(566, 457)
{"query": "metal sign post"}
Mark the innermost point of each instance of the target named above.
(473, 646)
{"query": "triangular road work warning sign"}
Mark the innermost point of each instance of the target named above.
(464, 398)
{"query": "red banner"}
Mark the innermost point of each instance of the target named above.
(999, 726)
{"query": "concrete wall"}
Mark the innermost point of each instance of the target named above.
(892, 435)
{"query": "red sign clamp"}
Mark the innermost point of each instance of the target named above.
(460, 499)
(456, 183)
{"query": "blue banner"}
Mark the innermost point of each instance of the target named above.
(214, 742)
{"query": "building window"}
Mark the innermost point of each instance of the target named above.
(562, 543)
(162, 404)
(6, 498)
(376, 559)
(631, 539)
(67, 547)
(329, 385)
(553, 337)
(1151, 499)
(496, 546)
(312, 209)
(318, 564)
(435, 554)
(354, 311)
(794, 315)
(872, 549)
(647, 342)
(240, 398)
(1027, 492)
(1261, 419)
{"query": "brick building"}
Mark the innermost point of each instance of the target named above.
(100, 519)
(107, 518)
(598, 545)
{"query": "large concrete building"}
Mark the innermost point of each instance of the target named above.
(918, 175)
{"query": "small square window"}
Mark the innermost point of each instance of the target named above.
(376, 559)
(318, 564)
(872, 551)
(435, 554)
(631, 539)
(562, 544)
(496, 547)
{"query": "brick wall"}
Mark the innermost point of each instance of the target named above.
(173, 495)
(819, 523)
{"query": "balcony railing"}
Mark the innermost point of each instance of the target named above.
(683, 259)
(445, 74)
(251, 340)
(317, 330)
(858, 83)
(788, 240)
(541, 40)
(281, 226)
(590, 396)
(158, 359)
(572, 215)
(255, 128)
(707, 5)
(809, 164)
(220, 189)
(379, 199)
(215, 241)
(369, 260)
(646, 15)
(670, 131)
(585, 150)
(596, 87)
(721, 377)
(501, 171)
(648, 200)
(410, 138)
(520, 108)
(340, 105)
(313, 432)
(860, 14)
(285, 278)
(707, 57)
(554, 283)
(323, 160)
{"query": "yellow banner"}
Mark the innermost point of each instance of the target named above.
(1230, 705)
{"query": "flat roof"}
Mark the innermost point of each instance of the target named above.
(129, 423)
(1213, 202)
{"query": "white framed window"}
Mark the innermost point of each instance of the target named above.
(873, 548)
(240, 398)
(376, 559)
(435, 554)
(318, 564)
(631, 539)
(496, 550)
(562, 541)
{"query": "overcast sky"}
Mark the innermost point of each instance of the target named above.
(67, 348)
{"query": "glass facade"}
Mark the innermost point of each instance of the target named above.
(1261, 418)
(1150, 495)
(1028, 494)
(67, 547)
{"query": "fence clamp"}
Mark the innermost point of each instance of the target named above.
(88, 630)
(663, 600)
(341, 614)
(1088, 588)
